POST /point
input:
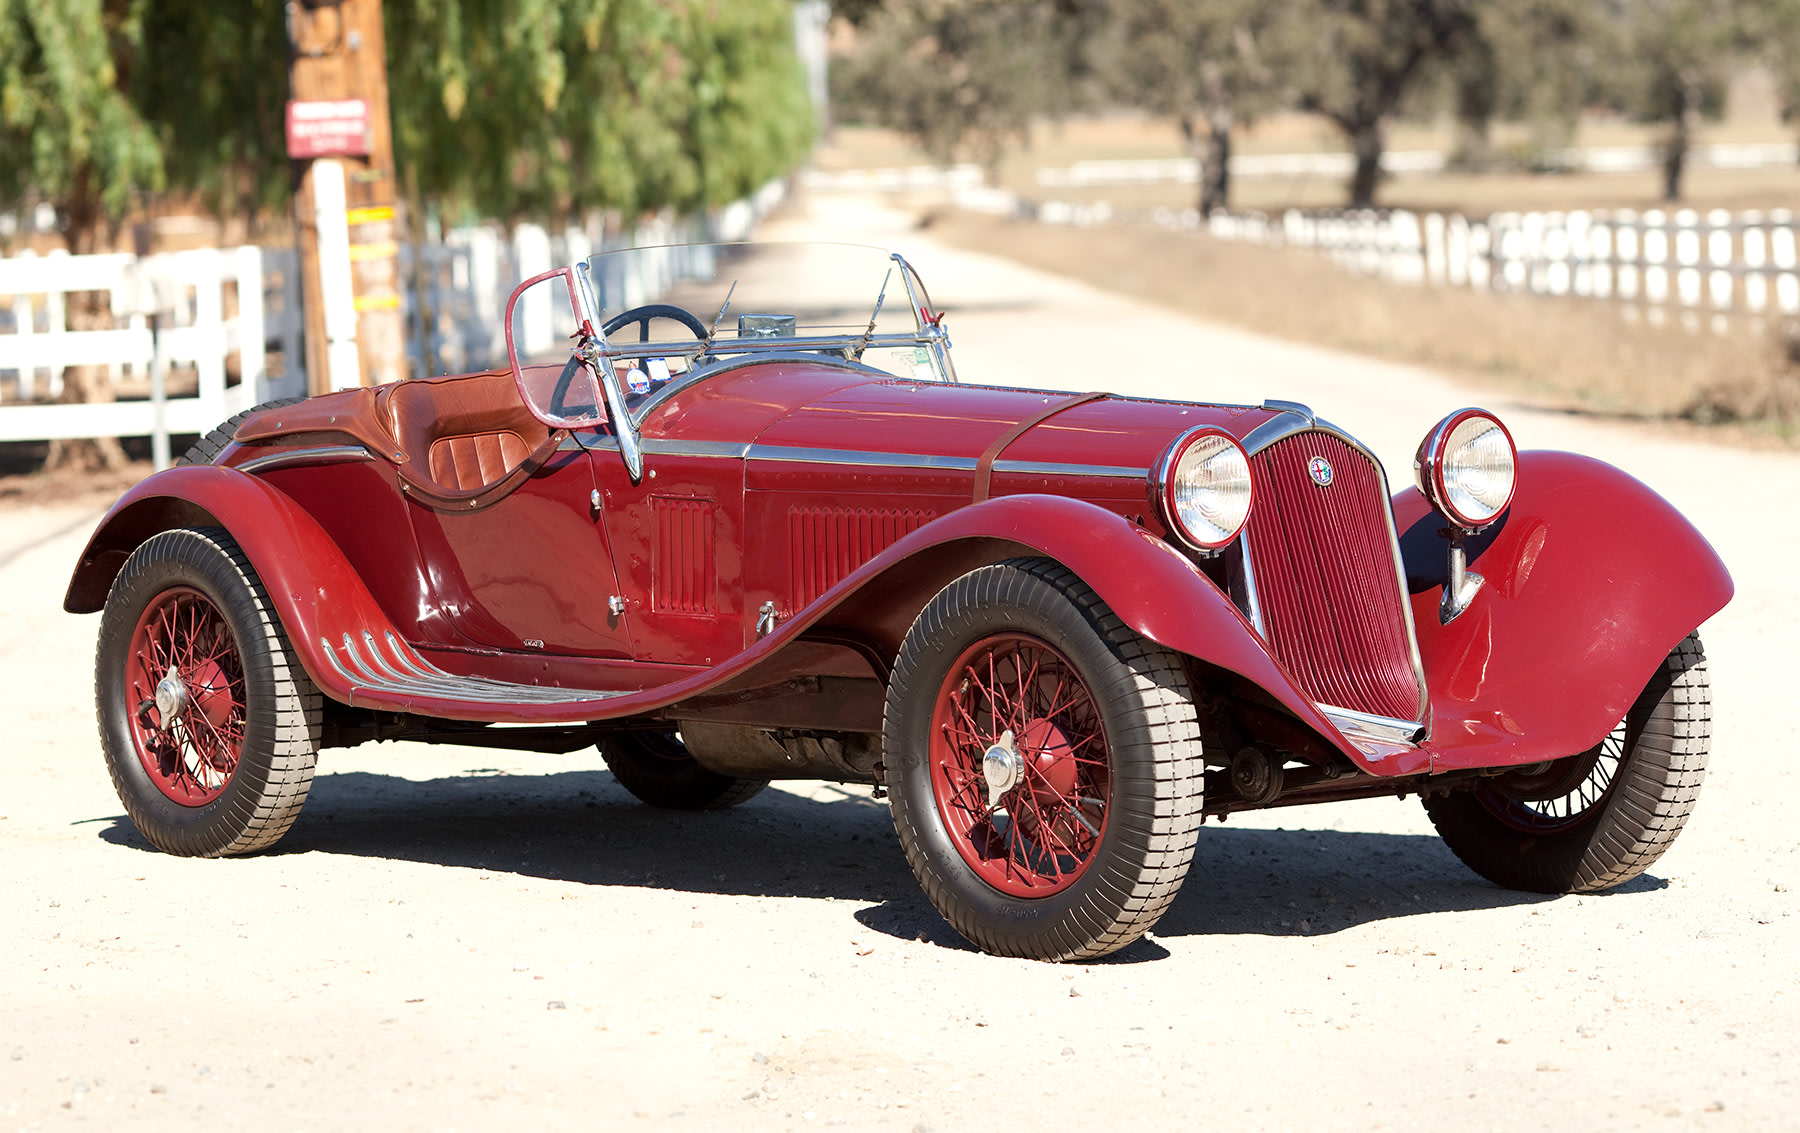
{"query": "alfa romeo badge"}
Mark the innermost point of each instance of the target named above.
(1320, 470)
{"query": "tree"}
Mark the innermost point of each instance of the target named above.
(1210, 66)
(1674, 64)
(70, 136)
(963, 78)
(548, 108)
(1526, 60)
(1357, 59)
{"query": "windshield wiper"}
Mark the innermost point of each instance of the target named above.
(857, 351)
(706, 347)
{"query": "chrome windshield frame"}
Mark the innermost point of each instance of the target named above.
(929, 334)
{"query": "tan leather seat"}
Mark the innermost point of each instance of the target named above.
(464, 434)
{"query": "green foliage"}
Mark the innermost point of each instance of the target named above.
(212, 84)
(68, 131)
(548, 108)
(517, 109)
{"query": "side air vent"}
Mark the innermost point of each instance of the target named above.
(825, 544)
(683, 579)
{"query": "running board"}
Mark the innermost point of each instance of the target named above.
(396, 671)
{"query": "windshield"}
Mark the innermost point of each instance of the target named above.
(671, 313)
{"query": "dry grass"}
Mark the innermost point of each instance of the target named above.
(1573, 354)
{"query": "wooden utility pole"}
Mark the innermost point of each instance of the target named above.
(339, 114)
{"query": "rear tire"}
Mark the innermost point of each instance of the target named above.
(207, 448)
(1595, 820)
(188, 627)
(1045, 764)
(657, 769)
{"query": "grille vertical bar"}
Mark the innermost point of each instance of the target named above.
(1330, 597)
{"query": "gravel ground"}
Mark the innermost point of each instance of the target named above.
(456, 938)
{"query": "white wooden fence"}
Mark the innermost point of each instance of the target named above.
(197, 312)
(169, 310)
(1713, 264)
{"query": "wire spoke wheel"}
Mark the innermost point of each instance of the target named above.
(1018, 699)
(185, 696)
(1563, 794)
(1592, 821)
(1045, 764)
(209, 724)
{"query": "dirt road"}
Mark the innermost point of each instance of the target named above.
(452, 938)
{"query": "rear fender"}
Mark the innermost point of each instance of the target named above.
(1151, 586)
(1590, 580)
(316, 592)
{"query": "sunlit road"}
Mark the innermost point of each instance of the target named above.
(452, 938)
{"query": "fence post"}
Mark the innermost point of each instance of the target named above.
(253, 361)
(1782, 255)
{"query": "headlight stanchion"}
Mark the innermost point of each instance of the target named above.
(1467, 466)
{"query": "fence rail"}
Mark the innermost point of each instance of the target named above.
(1717, 263)
(227, 322)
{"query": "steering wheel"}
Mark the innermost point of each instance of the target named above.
(649, 311)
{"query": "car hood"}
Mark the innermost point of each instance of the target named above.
(958, 423)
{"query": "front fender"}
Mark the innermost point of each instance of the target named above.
(1151, 586)
(316, 593)
(1591, 579)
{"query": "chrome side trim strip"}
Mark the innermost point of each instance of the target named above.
(293, 457)
(698, 448)
(397, 670)
(1046, 468)
(1382, 728)
(852, 456)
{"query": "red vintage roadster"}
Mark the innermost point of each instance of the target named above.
(730, 515)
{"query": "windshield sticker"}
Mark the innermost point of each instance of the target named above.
(659, 369)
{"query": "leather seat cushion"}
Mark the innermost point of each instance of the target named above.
(468, 462)
(472, 429)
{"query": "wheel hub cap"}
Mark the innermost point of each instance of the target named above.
(1001, 767)
(171, 698)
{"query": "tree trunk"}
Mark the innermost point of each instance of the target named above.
(1681, 136)
(85, 227)
(1215, 169)
(1366, 142)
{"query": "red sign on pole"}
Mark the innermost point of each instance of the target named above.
(328, 128)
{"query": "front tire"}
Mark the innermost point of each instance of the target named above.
(1593, 821)
(1045, 764)
(209, 725)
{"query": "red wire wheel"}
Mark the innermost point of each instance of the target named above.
(1014, 717)
(185, 685)
(209, 724)
(1044, 763)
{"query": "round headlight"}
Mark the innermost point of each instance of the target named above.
(1203, 488)
(1467, 467)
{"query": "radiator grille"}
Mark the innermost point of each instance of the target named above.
(683, 578)
(1327, 589)
(827, 543)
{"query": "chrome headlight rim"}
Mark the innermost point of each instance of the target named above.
(1164, 483)
(1428, 469)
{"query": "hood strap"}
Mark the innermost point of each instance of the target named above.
(984, 468)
